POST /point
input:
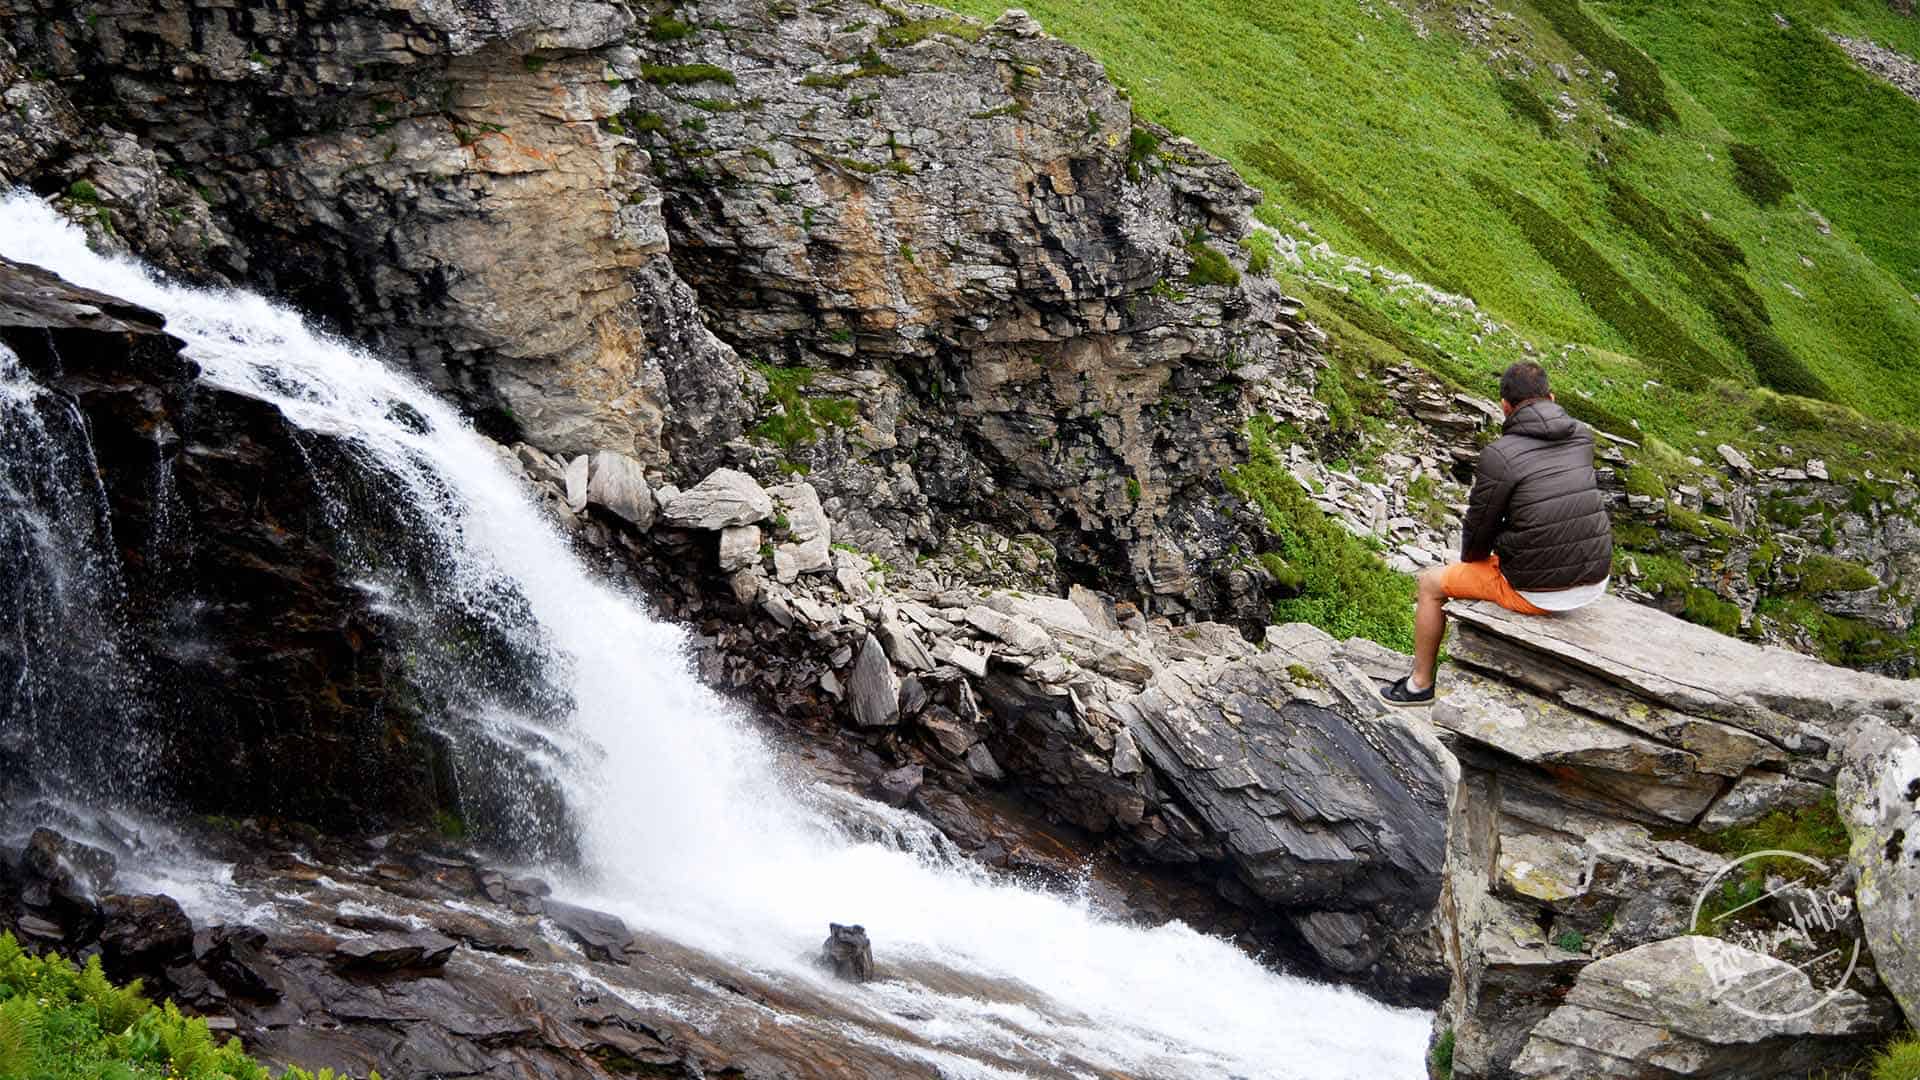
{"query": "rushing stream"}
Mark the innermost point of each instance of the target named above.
(685, 824)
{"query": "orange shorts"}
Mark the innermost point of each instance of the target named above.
(1483, 581)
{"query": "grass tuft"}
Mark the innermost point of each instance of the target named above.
(685, 74)
(915, 31)
(1898, 1060)
(1210, 267)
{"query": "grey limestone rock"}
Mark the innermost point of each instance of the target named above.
(726, 498)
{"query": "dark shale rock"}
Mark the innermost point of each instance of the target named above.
(235, 609)
(63, 872)
(848, 953)
(236, 958)
(604, 937)
(143, 934)
(384, 952)
(896, 787)
(1318, 809)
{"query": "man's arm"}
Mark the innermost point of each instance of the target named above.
(1486, 507)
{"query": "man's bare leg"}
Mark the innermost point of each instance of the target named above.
(1429, 627)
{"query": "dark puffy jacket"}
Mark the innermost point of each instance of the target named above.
(1536, 501)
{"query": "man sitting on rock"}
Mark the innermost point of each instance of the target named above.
(1537, 538)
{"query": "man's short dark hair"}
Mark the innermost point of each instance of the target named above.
(1523, 382)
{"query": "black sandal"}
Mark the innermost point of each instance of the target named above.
(1399, 694)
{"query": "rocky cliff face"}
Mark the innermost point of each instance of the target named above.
(980, 290)
(218, 593)
(972, 287)
(437, 180)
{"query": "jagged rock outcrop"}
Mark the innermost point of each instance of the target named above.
(1660, 1010)
(1597, 750)
(268, 680)
(970, 279)
(445, 182)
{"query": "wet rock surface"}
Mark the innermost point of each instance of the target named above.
(848, 953)
(234, 605)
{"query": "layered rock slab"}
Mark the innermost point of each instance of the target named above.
(1598, 749)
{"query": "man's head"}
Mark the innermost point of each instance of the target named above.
(1522, 383)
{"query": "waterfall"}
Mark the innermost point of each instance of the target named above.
(60, 629)
(683, 821)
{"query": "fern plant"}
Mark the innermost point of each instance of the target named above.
(61, 1022)
(19, 1038)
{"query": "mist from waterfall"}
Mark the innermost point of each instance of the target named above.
(685, 824)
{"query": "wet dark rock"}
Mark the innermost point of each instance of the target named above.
(36, 927)
(236, 959)
(235, 609)
(604, 937)
(896, 787)
(62, 872)
(143, 934)
(384, 952)
(848, 953)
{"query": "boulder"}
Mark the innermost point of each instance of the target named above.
(983, 765)
(1661, 1010)
(579, 482)
(541, 467)
(618, 484)
(1316, 807)
(1758, 794)
(725, 498)
(1348, 941)
(896, 787)
(807, 547)
(235, 957)
(903, 644)
(57, 870)
(847, 952)
(1879, 795)
(739, 547)
(600, 935)
(1021, 635)
(873, 689)
(385, 952)
(143, 934)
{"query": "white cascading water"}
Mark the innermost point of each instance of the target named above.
(688, 826)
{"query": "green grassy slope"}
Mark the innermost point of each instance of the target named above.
(1627, 230)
